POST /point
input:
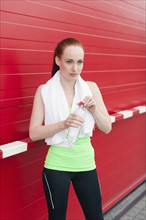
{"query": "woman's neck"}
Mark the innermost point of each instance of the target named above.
(67, 84)
(69, 89)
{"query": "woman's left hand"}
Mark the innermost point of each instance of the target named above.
(89, 103)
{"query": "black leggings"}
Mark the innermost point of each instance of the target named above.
(86, 186)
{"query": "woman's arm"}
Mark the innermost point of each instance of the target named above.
(97, 107)
(39, 131)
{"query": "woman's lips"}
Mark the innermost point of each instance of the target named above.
(74, 74)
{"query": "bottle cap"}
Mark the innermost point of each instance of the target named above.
(81, 103)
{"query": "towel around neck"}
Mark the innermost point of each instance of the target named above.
(56, 108)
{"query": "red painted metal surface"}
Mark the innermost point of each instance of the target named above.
(113, 35)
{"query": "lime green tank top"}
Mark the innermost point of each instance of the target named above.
(80, 157)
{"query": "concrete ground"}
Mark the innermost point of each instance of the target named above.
(132, 207)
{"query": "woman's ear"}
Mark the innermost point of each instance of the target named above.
(57, 61)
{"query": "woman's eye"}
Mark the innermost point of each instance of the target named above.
(80, 62)
(69, 61)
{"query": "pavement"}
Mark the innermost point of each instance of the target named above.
(132, 207)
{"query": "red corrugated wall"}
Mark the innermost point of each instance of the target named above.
(113, 33)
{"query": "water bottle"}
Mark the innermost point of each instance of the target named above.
(73, 133)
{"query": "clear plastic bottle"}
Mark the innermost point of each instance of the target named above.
(73, 133)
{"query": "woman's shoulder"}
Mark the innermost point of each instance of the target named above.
(93, 86)
(39, 89)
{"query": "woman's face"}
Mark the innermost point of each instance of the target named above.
(71, 62)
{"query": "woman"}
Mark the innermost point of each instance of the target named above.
(52, 115)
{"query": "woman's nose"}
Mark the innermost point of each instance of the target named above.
(74, 67)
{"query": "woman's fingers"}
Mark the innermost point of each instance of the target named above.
(89, 102)
(74, 120)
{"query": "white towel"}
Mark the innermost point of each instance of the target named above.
(56, 108)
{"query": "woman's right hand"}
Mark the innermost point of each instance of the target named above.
(73, 120)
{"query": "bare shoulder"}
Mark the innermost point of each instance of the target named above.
(93, 86)
(39, 88)
(37, 94)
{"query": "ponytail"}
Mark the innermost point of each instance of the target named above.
(55, 68)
